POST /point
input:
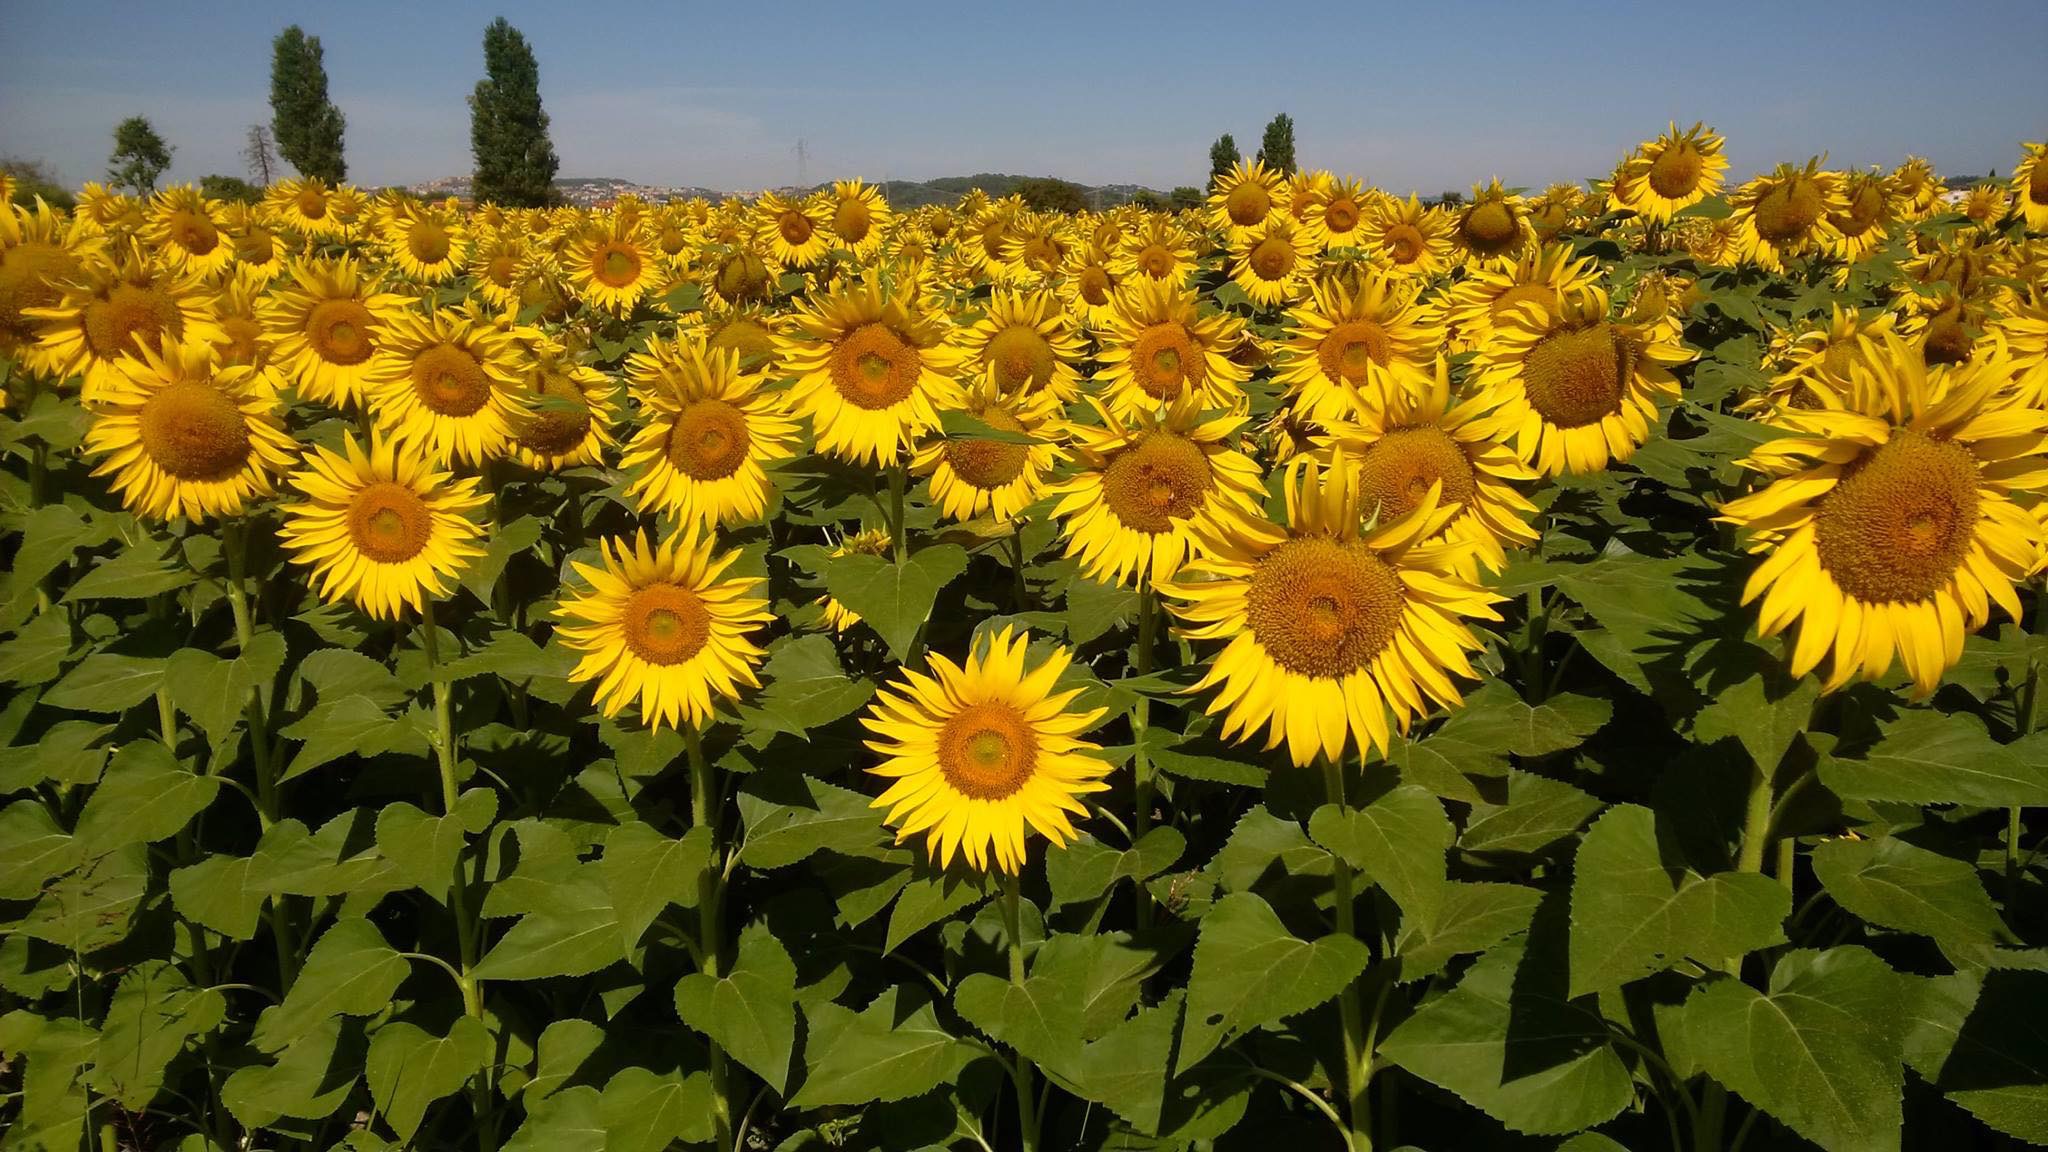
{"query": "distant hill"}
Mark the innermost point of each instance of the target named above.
(587, 191)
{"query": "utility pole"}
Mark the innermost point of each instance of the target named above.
(803, 159)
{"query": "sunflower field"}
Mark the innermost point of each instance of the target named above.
(1534, 671)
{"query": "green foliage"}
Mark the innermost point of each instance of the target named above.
(508, 131)
(1049, 194)
(1222, 157)
(1276, 147)
(1184, 197)
(217, 187)
(139, 157)
(34, 181)
(307, 125)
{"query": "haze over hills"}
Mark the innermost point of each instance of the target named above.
(586, 191)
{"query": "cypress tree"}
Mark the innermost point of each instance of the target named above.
(1276, 151)
(508, 131)
(307, 125)
(1222, 157)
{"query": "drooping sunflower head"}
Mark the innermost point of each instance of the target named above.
(448, 386)
(186, 231)
(870, 362)
(1000, 474)
(1555, 211)
(381, 528)
(327, 321)
(570, 410)
(708, 430)
(39, 252)
(1868, 219)
(1789, 211)
(1024, 341)
(795, 231)
(1672, 172)
(1349, 348)
(663, 627)
(747, 331)
(117, 303)
(981, 754)
(738, 275)
(1159, 349)
(1244, 197)
(1494, 224)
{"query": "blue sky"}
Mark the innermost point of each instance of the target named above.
(1420, 96)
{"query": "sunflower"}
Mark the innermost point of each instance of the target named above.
(1493, 225)
(970, 476)
(708, 431)
(794, 230)
(1336, 213)
(1034, 249)
(1918, 188)
(327, 323)
(987, 231)
(1274, 263)
(1571, 388)
(1407, 239)
(1948, 328)
(1814, 367)
(1549, 275)
(448, 386)
(975, 754)
(1985, 204)
(1551, 213)
(1422, 443)
(1333, 621)
(1146, 493)
(184, 231)
(570, 413)
(1788, 212)
(1024, 341)
(258, 252)
(306, 206)
(1158, 249)
(871, 542)
(1244, 197)
(1090, 287)
(860, 217)
(1661, 300)
(2030, 186)
(1160, 349)
(1888, 527)
(115, 304)
(747, 331)
(1350, 347)
(2023, 330)
(869, 363)
(244, 343)
(104, 212)
(427, 242)
(181, 438)
(1673, 172)
(659, 626)
(611, 266)
(381, 528)
(40, 251)
(738, 275)
(1866, 222)
(1299, 191)
(499, 262)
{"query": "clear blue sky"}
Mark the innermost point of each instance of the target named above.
(1417, 95)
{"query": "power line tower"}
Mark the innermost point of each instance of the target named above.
(803, 162)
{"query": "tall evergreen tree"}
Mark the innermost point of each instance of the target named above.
(1276, 151)
(508, 131)
(306, 123)
(1222, 157)
(140, 156)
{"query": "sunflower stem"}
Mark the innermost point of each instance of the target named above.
(1533, 681)
(235, 543)
(704, 814)
(896, 485)
(1017, 563)
(1350, 1008)
(1020, 1069)
(1141, 715)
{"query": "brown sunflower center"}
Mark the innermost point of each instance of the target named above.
(129, 313)
(502, 269)
(1405, 243)
(1272, 258)
(873, 367)
(745, 336)
(1022, 357)
(1947, 341)
(339, 331)
(244, 344)
(1788, 210)
(742, 276)
(665, 623)
(1900, 523)
(312, 203)
(1340, 215)
(1247, 204)
(1166, 361)
(193, 232)
(1351, 349)
(2037, 181)
(428, 242)
(709, 440)
(987, 750)
(1864, 208)
(988, 464)
(1840, 359)
(1490, 228)
(1162, 478)
(1322, 608)
(1676, 171)
(852, 220)
(194, 431)
(450, 381)
(560, 421)
(256, 246)
(1156, 262)
(672, 240)
(1397, 471)
(389, 523)
(29, 276)
(615, 264)
(1095, 285)
(1576, 376)
(795, 228)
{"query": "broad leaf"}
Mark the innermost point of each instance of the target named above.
(1249, 970)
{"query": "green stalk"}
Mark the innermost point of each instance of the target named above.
(896, 485)
(1532, 655)
(2023, 723)
(1350, 1009)
(1017, 563)
(236, 544)
(1141, 718)
(1021, 1070)
(710, 933)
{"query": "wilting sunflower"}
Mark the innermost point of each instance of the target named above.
(1146, 492)
(1160, 349)
(1275, 262)
(184, 231)
(1024, 340)
(1419, 443)
(306, 206)
(1918, 188)
(1571, 388)
(1337, 212)
(1090, 288)
(448, 386)
(2030, 186)
(1407, 239)
(181, 438)
(794, 230)
(40, 251)
(981, 753)
(1333, 624)
(658, 626)
(382, 528)
(869, 542)
(570, 411)
(707, 432)
(1549, 275)
(1244, 197)
(327, 322)
(1788, 212)
(970, 475)
(870, 363)
(1346, 347)
(1888, 528)
(1673, 172)
(860, 217)
(117, 303)
(258, 251)
(427, 242)
(1493, 225)
(611, 266)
